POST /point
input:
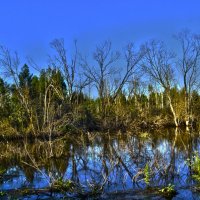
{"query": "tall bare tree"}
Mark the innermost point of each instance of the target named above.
(68, 68)
(158, 64)
(188, 64)
(9, 63)
(131, 69)
(100, 73)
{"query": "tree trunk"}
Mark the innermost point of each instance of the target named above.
(173, 111)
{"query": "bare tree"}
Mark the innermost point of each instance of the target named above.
(9, 63)
(189, 65)
(158, 64)
(131, 69)
(100, 73)
(61, 61)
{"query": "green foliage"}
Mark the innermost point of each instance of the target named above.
(195, 104)
(35, 87)
(40, 102)
(195, 165)
(63, 185)
(2, 170)
(5, 102)
(25, 77)
(147, 174)
(68, 128)
(2, 193)
(167, 191)
(6, 129)
(144, 135)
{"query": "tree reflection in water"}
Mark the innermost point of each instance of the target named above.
(109, 162)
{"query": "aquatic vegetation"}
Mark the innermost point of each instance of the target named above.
(2, 193)
(68, 186)
(95, 189)
(147, 174)
(63, 185)
(168, 191)
(195, 165)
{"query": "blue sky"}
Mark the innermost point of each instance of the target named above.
(28, 26)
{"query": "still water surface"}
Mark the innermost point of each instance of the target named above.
(113, 161)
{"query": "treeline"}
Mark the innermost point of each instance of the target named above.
(141, 86)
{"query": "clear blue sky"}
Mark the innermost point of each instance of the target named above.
(29, 25)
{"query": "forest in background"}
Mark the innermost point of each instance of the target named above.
(146, 86)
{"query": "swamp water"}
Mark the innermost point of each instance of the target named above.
(101, 166)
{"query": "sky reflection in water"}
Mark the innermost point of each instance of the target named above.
(119, 159)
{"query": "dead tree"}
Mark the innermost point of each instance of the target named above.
(188, 64)
(67, 68)
(131, 69)
(9, 63)
(158, 64)
(102, 71)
